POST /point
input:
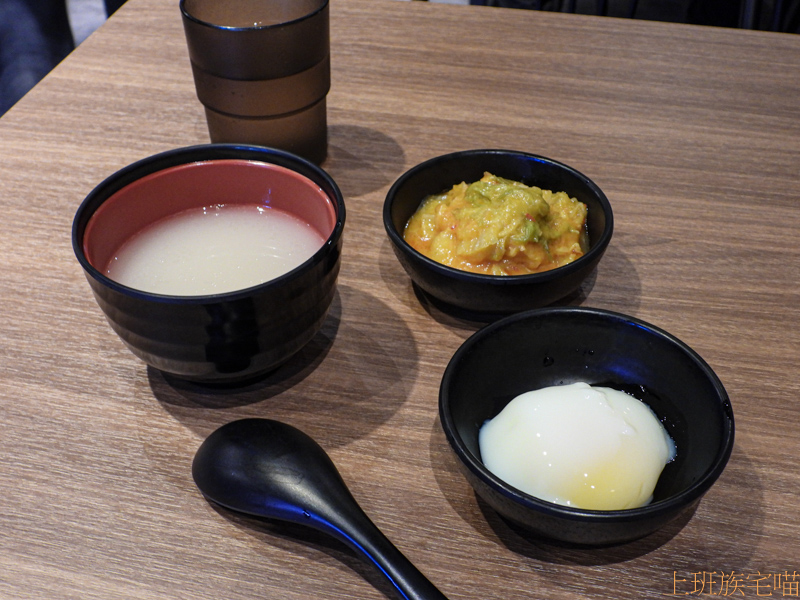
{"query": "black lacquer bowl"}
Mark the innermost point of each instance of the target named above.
(556, 346)
(228, 337)
(487, 297)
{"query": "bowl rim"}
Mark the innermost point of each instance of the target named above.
(595, 252)
(198, 154)
(528, 501)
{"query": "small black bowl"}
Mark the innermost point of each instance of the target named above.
(557, 346)
(225, 338)
(486, 297)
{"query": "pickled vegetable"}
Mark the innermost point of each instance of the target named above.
(497, 226)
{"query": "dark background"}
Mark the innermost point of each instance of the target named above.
(34, 37)
(770, 15)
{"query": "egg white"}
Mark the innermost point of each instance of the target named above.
(577, 445)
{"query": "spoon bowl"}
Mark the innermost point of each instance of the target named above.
(266, 468)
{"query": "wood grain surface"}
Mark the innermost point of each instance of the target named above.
(692, 132)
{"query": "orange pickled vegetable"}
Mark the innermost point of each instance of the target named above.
(496, 226)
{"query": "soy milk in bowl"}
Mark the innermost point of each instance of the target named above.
(213, 250)
(213, 263)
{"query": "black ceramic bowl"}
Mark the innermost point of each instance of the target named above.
(555, 346)
(221, 338)
(485, 297)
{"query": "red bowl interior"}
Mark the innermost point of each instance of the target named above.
(195, 185)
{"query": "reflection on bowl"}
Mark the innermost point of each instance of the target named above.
(556, 346)
(485, 297)
(224, 337)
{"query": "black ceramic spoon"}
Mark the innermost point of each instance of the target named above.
(269, 469)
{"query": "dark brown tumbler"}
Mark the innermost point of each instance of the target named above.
(262, 71)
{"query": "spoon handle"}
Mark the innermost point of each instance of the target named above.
(269, 469)
(348, 523)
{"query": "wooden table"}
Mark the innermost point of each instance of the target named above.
(693, 133)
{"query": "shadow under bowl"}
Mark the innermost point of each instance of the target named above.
(487, 297)
(224, 338)
(557, 346)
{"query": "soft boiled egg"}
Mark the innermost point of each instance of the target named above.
(588, 447)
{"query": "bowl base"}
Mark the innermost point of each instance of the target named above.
(429, 303)
(229, 383)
